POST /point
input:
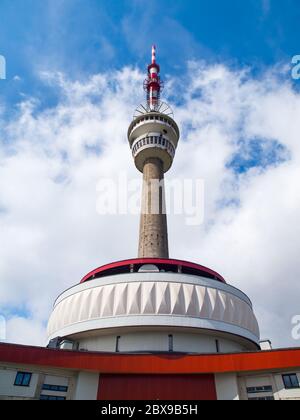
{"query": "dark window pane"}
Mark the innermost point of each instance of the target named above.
(19, 379)
(258, 389)
(295, 382)
(287, 381)
(23, 379)
(290, 381)
(27, 379)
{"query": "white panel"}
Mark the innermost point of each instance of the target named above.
(87, 386)
(163, 299)
(134, 298)
(121, 300)
(227, 387)
(56, 380)
(148, 298)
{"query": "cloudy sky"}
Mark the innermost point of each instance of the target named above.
(75, 70)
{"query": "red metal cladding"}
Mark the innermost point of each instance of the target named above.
(141, 261)
(113, 363)
(157, 387)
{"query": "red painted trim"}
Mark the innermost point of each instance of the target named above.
(152, 261)
(112, 363)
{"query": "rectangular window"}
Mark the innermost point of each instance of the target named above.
(258, 389)
(261, 399)
(23, 379)
(52, 398)
(57, 388)
(290, 381)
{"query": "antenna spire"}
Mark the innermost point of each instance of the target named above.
(153, 84)
(153, 54)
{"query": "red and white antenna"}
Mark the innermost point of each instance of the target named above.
(153, 54)
(153, 85)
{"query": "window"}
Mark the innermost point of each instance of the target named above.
(261, 399)
(118, 344)
(57, 388)
(171, 343)
(290, 381)
(23, 379)
(258, 389)
(51, 398)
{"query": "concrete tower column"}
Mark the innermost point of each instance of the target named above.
(153, 239)
(153, 136)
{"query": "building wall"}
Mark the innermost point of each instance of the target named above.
(158, 341)
(90, 386)
(87, 386)
(227, 387)
(34, 391)
(8, 389)
(268, 379)
(282, 393)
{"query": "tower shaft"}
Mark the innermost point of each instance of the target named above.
(153, 239)
(153, 137)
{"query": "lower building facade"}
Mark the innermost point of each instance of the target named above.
(34, 373)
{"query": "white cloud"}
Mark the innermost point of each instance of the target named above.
(52, 160)
(25, 331)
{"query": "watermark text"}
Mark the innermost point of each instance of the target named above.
(296, 67)
(179, 197)
(2, 67)
(296, 328)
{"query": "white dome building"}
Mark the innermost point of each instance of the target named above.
(155, 305)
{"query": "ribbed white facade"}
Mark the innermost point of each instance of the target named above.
(166, 300)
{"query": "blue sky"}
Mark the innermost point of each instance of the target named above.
(82, 37)
(240, 133)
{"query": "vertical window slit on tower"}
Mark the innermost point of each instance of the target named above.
(171, 343)
(118, 344)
